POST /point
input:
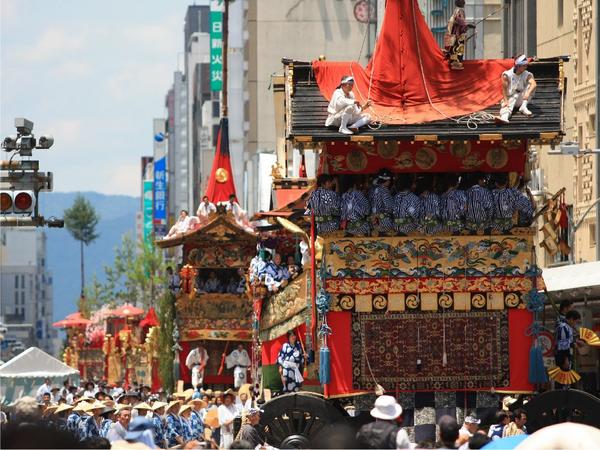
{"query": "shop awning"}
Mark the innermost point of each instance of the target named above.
(581, 279)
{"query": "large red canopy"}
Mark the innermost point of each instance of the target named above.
(74, 320)
(408, 79)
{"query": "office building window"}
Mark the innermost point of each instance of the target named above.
(560, 9)
(215, 133)
(216, 108)
(16, 281)
(16, 298)
(22, 281)
(592, 234)
(22, 297)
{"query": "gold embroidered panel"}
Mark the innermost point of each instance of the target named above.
(282, 306)
(427, 258)
(213, 312)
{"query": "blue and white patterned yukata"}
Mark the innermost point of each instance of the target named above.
(158, 431)
(326, 206)
(480, 206)
(407, 212)
(73, 423)
(197, 424)
(186, 428)
(88, 428)
(453, 206)
(504, 209)
(356, 211)
(105, 426)
(524, 208)
(174, 428)
(430, 213)
(291, 360)
(382, 209)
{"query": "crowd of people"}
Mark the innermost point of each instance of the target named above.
(100, 416)
(420, 203)
(269, 269)
(186, 222)
(386, 431)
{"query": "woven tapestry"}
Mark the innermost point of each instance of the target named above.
(406, 351)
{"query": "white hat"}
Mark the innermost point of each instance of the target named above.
(348, 79)
(386, 408)
(521, 60)
(472, 419)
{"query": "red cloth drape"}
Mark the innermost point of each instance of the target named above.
(220, 183)
(408, 64)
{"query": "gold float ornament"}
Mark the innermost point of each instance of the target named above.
(221, 175)
(563, 376)
(589, 337)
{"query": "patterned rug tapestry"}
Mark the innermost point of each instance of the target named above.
(406, 351)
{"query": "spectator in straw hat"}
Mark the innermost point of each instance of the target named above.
(227, 412)
(196, 418)
(118, 430)
(75, 417)
(142, 409)
(158, 423)
(174, 427)
(61, 413)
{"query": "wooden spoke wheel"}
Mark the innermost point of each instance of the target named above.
(295, 420)
(569, 405)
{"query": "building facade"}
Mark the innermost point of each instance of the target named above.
(26, 287)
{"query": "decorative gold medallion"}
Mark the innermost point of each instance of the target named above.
(460, 149)
(497, 158)
(221, 175)
(356, 160)
(388, 149)
(425, 158)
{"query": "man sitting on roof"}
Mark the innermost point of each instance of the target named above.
(181, 226)
(205, 209)
(344, 111)
(518, 86)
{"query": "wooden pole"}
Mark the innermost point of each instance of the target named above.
(225, 51)
(313, 279)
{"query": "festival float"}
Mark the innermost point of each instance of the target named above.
(116, 344)
(224, 244)
(446, 323)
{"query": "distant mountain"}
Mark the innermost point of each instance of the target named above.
(117, 217)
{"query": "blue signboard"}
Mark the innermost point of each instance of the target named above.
(160, 191)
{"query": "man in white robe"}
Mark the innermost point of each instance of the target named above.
(344, 111)
(239, 360)
(196, 361)
(226, 413)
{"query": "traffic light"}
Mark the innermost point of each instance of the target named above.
(17, 202)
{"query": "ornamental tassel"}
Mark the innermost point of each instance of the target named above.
(537, 371)
(324, 365)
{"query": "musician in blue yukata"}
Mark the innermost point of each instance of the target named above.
(74, 419)
(291, 361)
(90, 426)
(325, 204)
(524, 205)
(356, 210)
(108, 418)
(196, 418)
(158, 424)
(185, 412)
(566, 338)
(276, 275)
(504, 204)
(430, 206)
(174, 427)
(453, 205)
(480, 204)
(407, 206)
(382, 207)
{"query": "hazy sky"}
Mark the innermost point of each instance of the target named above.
(93, 73)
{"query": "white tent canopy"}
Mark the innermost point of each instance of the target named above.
(23, 374)
(580, 279)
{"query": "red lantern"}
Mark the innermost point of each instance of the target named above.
(188, 274)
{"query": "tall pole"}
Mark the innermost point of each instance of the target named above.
(597, 44)
(225, 51)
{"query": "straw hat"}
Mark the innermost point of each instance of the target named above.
(171, 404)
(80, 407)
(121, 407)
(63, 407)
(218, 393)
(92, 406)
(211, 419)
(50, 409)
(143, 405)
(85, 399)
(209, 392)
(229, 392)
(158, 405)
(245, 389)
(185, 408)
(198, 400)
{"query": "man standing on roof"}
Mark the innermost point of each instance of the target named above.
(454, 41)
(344, 111)
(196, 361)
(518, 87)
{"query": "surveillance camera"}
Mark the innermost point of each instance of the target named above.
(23, 126)
(9, 143)
(45, 141)
(26, 142)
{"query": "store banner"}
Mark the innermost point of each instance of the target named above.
(216, 45)
(147, 199)
(160, 197)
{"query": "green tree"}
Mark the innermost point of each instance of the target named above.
(81, 220)
(166, 316)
